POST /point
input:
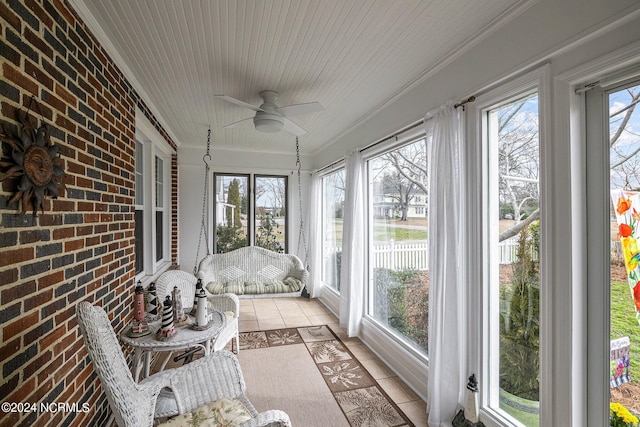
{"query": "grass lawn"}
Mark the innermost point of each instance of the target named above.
(624, 323)
(386, 234)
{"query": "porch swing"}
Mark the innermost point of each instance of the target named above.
(251, 271)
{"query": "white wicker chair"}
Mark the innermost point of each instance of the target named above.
(185, 388)
(226, 303)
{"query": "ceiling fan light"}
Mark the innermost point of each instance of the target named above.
(268, 123)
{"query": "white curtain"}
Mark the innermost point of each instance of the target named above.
(447, 350)
(315, 236)
(352, 269)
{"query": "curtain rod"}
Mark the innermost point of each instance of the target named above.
(395, 135)
(466, 101)
(415, 125)
(330, 165)
(400, 132)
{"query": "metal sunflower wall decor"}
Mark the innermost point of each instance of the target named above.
(34, 162)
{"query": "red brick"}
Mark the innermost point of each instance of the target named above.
(39, 76)
(9, 349)
(20, 79)
(65, 123)
(63, 205)
(84, 182)
(39, 12)
(62, 317)
(37, 364)
(62, 345)
(16, 256)
(73, 245)
(8, 276)
(92, 241)
(10, 17)
(64, 11)
(52, 338)
(19, 325)
(20, 395)
(38, 299)
(91, 218)
(14, 293)
(38, 42)
(50, 279)
(63, 233)
(63, 371)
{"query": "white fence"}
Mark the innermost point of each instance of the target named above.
(402, 255)
(415, 255)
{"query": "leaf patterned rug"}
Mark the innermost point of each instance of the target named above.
(361, 399)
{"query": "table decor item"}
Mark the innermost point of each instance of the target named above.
(179, 316)
(167, 330)
(152, 302)
(199, 287)
(201, 309)
(139, 326)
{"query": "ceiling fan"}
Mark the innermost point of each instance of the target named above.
(271, 118)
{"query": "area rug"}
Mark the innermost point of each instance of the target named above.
(310, 374)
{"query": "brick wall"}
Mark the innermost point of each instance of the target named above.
(82, 247)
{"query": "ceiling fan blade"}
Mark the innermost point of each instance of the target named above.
(238, 123)
(238, 102)
(296, 109)
(293, 128)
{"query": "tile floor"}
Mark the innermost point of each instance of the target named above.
(272, 313)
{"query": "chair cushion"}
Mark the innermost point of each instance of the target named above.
(225, 412)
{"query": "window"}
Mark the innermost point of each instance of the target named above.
(398, 279)
(612, 183)
(237, 214)
(231, 212)
(333, 193)
(511, 135)
(152, 200)
(139, 209)
(624, 203)
(270, 201)
(160, 211)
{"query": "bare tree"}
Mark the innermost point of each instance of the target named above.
(400, 189)
(518, 163)
(624, 161)
(272, 190)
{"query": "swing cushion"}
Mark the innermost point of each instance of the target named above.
(253, 271)
(289, 284)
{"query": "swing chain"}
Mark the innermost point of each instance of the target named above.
(203, 224)
(301, 235)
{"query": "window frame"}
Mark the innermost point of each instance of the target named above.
(247, 176)
(153, 145)
(412, 353)
(337, 168)
(139, 235)
(287, 210)
(251, 226)
(482, 305)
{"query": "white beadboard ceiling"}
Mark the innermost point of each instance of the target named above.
(352, 56)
